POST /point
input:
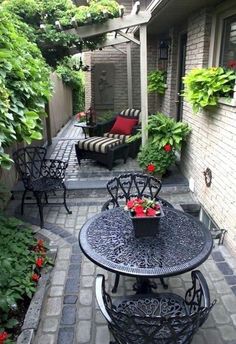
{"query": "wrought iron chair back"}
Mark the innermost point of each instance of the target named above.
(156, 318)
(40, 175)
(130, 185)
(29, 163)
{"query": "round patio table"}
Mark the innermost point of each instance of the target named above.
(181, 244)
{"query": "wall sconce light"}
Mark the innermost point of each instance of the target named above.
(163, 50)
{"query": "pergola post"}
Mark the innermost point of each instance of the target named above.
(143, 80)
(129, 76)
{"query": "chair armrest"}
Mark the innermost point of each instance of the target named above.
(198, 295)
(135, 130)
(54, 168)
(102, 128)
(108, 205)
(101, 295)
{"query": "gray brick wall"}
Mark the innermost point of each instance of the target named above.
(212, 142)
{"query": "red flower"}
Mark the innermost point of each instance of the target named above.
(3, 337)
(231, 64)
(139, 211)
(40, 243)
(167, 148)
(151, 168)
(35, 277)
(130, 204)
(39, 262)
(151, 212)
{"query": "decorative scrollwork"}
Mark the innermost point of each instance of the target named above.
(180, 238)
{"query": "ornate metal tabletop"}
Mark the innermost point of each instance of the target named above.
(181, 244)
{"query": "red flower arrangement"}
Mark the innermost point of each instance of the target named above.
(3, 336)
(81, 116)
(143, 207)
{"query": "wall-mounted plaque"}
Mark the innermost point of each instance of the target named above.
(104, 86)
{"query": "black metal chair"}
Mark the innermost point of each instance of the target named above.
(130, 185)
(163, 318)
(40, 175)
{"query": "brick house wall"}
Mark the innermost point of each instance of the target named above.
(212, 142)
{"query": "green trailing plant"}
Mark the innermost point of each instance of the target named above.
(24, 87)
(74, 79)
(157, 82)
(21, 259)
(54, 44)
(165, 137)
(204, 87)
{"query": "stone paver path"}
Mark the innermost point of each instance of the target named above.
(70, 314)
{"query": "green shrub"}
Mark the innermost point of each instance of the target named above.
(158, 157)
(20, 259)
(25, 87)
(157, 82)
(203, 87)
(165, 137)
(74, 79)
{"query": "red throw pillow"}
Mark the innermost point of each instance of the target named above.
(123, 126)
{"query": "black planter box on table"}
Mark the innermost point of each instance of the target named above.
(146, 226)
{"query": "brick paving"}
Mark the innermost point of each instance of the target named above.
(70, 314)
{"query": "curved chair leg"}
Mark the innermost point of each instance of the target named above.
(64, 200)
(46, 197)
(165, 286)
(117, 280)
(23, 202)
(40, 206)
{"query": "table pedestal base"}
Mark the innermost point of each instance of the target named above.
(145, 286)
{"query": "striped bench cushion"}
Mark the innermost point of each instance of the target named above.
(98, 144)
(122, 138)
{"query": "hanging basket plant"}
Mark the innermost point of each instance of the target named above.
(204, 87)
(157, 82)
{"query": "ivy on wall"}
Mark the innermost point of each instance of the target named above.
(26, 53)
(24, 87)
(55, 45)
(75, 80)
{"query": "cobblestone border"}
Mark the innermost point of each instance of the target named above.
(66, 332)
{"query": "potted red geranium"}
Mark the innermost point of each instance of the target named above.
(145, 215)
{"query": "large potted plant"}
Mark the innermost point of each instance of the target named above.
(204, 87)
(165, 137)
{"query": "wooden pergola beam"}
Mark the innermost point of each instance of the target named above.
(110, 25)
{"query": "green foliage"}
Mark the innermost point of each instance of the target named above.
(55, 45)
(152, 154)
(203, 87)
(105, 117)
(74, 79)
(24, 84)
(157, 82)
(165, 136)
(16, 260)
(163, 130)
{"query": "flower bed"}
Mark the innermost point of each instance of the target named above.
(21, 258)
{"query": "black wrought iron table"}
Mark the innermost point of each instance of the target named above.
(181, 244)
(85, 127)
